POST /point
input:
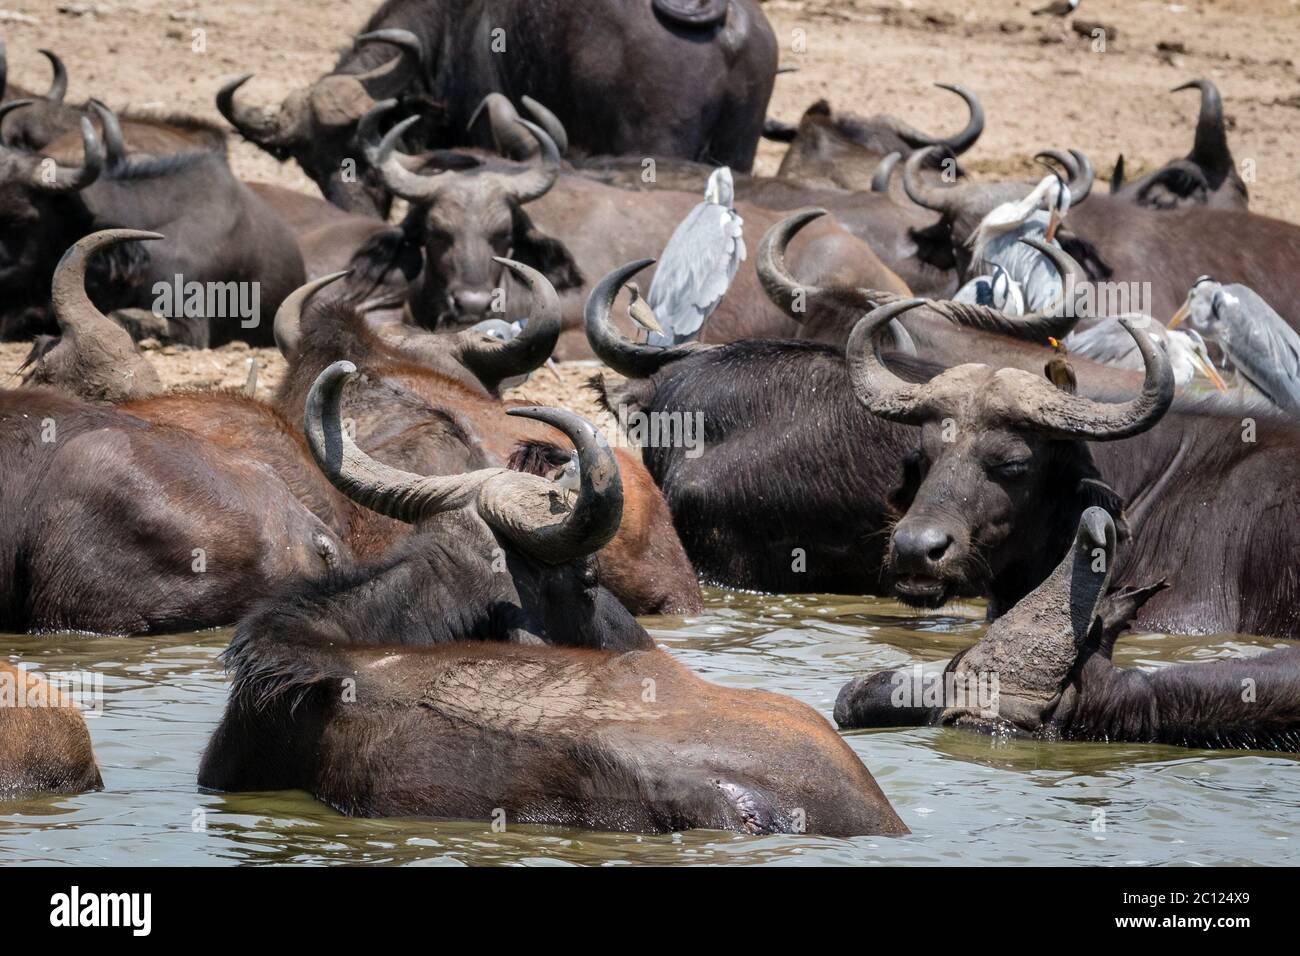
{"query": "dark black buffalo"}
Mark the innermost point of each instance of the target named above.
(845, 151)
(1207, 175)
(1005, 464)
(1044, 669)
(650, 78)
(226, 263)
(370, 689)
(776, 479)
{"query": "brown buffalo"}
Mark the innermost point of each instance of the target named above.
(44, 744)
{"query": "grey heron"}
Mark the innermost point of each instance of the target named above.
(698, 263)
(997, 291)
(1258, 342)
(1106, 341)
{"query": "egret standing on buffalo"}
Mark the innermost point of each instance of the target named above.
(1254, 338)
(698, 264)
(996, 242)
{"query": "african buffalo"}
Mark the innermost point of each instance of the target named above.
(665, 77)
(117, 525)
(846, 151)
(224, 268)
(569, 226)
(786, 484)
(415, 686)
(1006, 462)
(93, 358)
(428, 403)
(1044, 669)
(1207, 175)
(44, 744)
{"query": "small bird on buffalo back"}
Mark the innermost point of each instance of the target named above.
(1058, 8)
(1059, 371)
(698, 263)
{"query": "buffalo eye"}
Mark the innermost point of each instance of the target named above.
(1009, 470)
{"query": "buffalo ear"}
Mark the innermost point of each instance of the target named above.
(550, 257)
(114, 272)
(1095, 491)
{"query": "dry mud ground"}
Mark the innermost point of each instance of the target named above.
(1041, 85)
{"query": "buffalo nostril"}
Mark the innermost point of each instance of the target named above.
(921, 545)
(473, 302)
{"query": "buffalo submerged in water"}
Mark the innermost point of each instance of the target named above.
(489, 633)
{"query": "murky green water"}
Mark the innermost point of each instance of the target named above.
(968, 798)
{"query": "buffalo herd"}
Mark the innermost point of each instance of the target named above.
(434, 588)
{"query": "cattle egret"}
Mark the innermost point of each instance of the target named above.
(1252, 336)
(996, 242)
(698, 263)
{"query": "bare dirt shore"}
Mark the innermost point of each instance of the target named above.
(1041, 83)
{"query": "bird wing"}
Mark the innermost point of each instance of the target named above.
(1105, 342)
(1263, 347)
(696, 269)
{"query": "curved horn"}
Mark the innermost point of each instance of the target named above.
(381, 488)
(1077, 167)
(780, 286)
(633, 359)
(413, 187)
(114, 145)
(11, 105)
(288, 318)
(1117, 175)
(961, 141)
(881, 391)
(880, 179)
(1210, 148)
(409, 48)
(595, 516)
(72, 178)
(918, 189)
(265, 127)
(59, 84)
(1087, 175)
(537, 180)
(509, 138)
(547, 121)
(72, 306)
(1069, 416)
(521, 507)
(494, 361)
(1033, 326)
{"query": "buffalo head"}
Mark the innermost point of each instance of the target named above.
(524, 547)
(40, 214)
(1002, 473)
(317, 125)
(468, 219)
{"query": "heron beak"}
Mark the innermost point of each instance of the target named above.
(1209, 371)
(555, 370)
(1053, 224)
(1180, 315)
